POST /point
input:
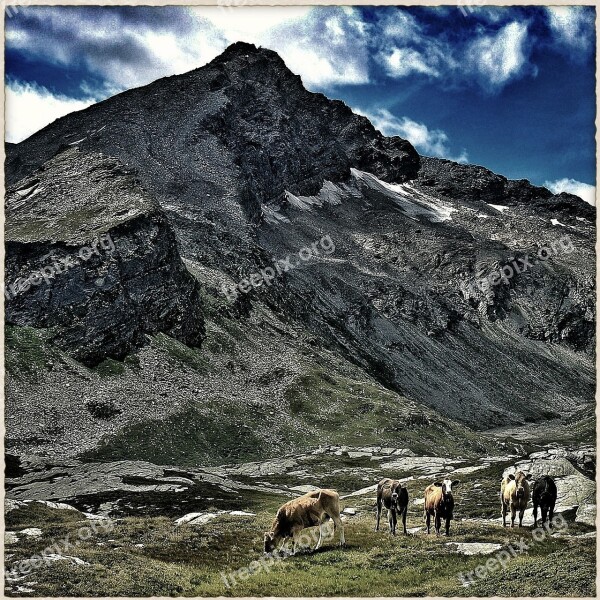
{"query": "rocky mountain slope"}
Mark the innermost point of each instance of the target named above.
(93, 260)
(377, 318)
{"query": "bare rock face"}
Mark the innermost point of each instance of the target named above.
(92, 259)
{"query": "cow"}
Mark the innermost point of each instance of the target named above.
(439, 504)
(514, 492)
(394, 496)
(544, 495)
(309, 510)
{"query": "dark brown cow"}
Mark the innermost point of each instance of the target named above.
(394, 496)
(439, 504)
(309, 510)
(544, 495)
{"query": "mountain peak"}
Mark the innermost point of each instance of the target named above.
(245, 50)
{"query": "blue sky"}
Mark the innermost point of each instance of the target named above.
(510, 88)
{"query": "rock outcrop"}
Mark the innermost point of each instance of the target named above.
(92, 259)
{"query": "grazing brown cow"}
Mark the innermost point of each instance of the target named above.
(309, 510)
(394, 496)
(439, 504)
(514, 493)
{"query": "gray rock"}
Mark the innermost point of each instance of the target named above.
(31, 532)
(359, 454)
(586, 513)
(474, 548)
(196, 519)
(10, 537)
(10, 504)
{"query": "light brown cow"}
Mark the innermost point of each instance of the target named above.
(514, 494)
(309, 510)
(439, 504)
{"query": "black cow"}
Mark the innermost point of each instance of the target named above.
(544, 496)
(392, 495)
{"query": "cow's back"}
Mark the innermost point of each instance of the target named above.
(319, 500)
(508, 489)
(433, 496)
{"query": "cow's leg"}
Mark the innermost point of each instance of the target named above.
(535, 508)
(504, 513)
(283, 544)
(447, 526)
(337, 522)
(321, 526)
(544, 514)
(378, 514)
(296, 538)
(404, 519)
(513, 515)
(438, 523)
(521, 514)
(392, 520)
(551, 516)
(428, 521)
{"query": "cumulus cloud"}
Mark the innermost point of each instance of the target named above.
(326, 48)
(31, 107)
(404, 61)
(500, 57)
(573, 27)
(127, 48)
(431, 142)
(585, 191)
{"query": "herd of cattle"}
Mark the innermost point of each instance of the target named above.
(316, 507)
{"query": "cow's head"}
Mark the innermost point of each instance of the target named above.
(270, 542)
(520, 480)
(446, 486)
(394, 498)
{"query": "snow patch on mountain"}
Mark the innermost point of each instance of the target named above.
(412, 202)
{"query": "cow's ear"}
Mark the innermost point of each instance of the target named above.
(455, 483)
(511, 477)
(438, 484)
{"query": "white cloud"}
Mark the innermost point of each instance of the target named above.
(31, 107)
(573, 26)
(324, 49)
(585, 191)
(248, 23)
(317, 70)
(404, 61)
(501, 57)
(431, 142)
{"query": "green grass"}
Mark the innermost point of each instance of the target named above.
(27, 352)
(189, 560)
(317, 406)
(109, 368)
(180, 354)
